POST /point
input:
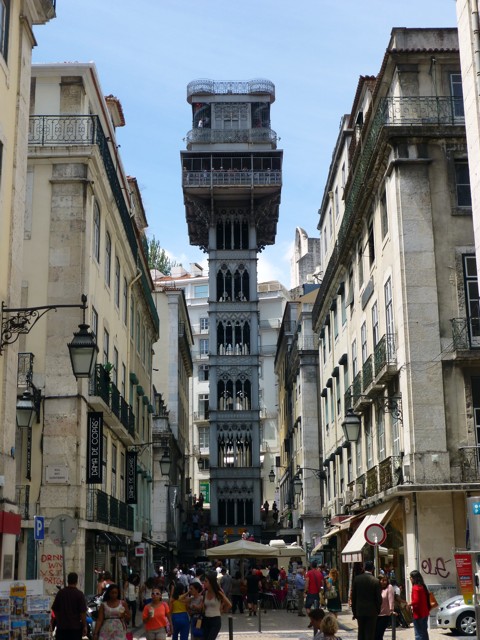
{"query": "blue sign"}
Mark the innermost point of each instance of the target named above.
(39, 527)
(476, 508)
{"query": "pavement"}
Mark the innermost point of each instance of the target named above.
(285, 625)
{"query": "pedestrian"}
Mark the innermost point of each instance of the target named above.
(387, 609)
(131, 590)
(329, 627)
(236, 592)
(316, 616)
(313, 587)
(103, 583)
(215, 603)
(113, 615)
(70, 609)
(156, 616)
(226, 583)
(332, 592)
(178, 607)
(366, 602)
(420, 605)
(300, 590)
(253, 590)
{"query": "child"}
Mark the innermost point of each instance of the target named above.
(329, 627)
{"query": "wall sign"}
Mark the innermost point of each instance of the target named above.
(131, 478)
(94, 447)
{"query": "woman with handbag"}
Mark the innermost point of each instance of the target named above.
(113, 616)
(420, 605)
(387, 608)
(195, 608)
(156, 617)
(332, 593)
(215, 602)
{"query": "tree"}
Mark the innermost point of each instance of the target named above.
(158, 258)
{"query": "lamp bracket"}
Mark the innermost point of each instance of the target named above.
(25, 318)
(391, 405)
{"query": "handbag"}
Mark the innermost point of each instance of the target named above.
(331, 591)
(432, 601)
(197, 629)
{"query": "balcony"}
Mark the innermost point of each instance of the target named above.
(105, 396)
(108, 510)
(201, 416)
(469, 464)
(204, 86)
(358, 398)
(229, 136)
(385, 359)
(423, 110)
(390, 472)
(465, 333)
(210, 179)
(367, 373)
(371, 485)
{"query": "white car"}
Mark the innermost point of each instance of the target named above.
(457, 616)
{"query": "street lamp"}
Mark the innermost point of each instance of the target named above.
(351, 426)
(271, 476)
(165, 463)
(25, 410)
(297, 485)
(83, 348)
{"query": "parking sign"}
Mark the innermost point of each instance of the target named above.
(39, 527)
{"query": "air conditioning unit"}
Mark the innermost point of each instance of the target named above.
(347, 497)
(325, 512)
(337, 505)
(358, 492)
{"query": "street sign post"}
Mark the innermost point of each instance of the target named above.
(62, 532)
(39, 528)
(375, 534)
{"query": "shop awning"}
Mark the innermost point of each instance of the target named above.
(352, 552)
(154, 543)
(324, 540)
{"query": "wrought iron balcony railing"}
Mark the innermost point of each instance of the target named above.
(228, 136)
(210, 87)
(465, 333)
(390, 472)
(102, 386)
(348, 398)
(231, 178)
(357, 386)
(424, 110)
(469, 463)
(371, 488)
(106, 509)
(385, 353)
(367, 372)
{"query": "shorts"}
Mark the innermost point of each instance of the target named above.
(252, 598)
(156, 634)
(312, 601)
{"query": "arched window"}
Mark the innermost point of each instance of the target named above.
(233, 338)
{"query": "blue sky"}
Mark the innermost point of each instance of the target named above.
(147, 52)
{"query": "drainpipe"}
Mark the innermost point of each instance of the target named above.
(476, 41)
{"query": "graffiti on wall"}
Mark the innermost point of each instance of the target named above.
(436, 567)
(51, 568)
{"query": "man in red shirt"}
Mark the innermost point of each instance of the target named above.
(313, 586)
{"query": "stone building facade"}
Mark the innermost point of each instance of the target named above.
(84, 232)
(396, 315)
(17, 22)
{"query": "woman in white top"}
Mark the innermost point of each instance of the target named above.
(214, 603)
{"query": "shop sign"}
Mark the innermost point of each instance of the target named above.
(204, 487)
(131, 477)
(94, 447)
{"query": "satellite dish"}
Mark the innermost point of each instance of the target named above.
(63, 530)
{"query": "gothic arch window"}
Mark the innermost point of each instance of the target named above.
(233, 337)
(234, 396)
(241, 282)
(224, 284)
(234, 449)
(232, 232)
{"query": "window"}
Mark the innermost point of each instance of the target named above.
(389, 318)
(108, 258)
(4, 25)
(358, 455)
(203, 464)
(95, 322)
(203, 411)
(343, 306)
(360, 264)
(132, 318)
(456, 92)
(344, 175)
(114, 470)
(204, 437)
(200, 291)
(472, 298)
(124, 379)
(96, 230)
(125, 301)
(375, 325)
(354, 358)
(381, 434)
(462, 184)
(117, 283)
(363, 337)
(204, 324)
(106, 345)
(330, 222)
(371, 244)
(335, 320)
(384, 214)
(337, 206)
(368, 438)
(203, 372)
(115, 366)
(395, 435)
(204, 346)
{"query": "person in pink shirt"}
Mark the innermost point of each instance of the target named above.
(387, 607)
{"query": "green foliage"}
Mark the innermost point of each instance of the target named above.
(157, 257)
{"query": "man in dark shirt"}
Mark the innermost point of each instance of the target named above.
(253, 589)
(366, 602)
(70, 609)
